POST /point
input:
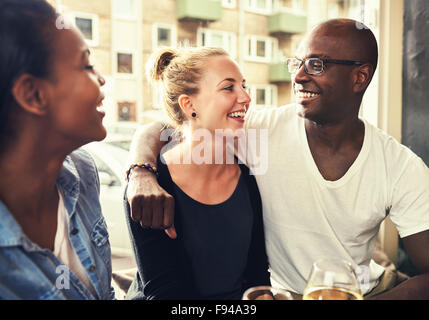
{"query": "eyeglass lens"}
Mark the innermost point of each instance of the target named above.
(311, 66)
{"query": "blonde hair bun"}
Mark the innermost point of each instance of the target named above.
(159, 62)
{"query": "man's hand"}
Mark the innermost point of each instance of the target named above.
(150, 204)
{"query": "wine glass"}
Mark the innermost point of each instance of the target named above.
(332, 279)
(266, 293)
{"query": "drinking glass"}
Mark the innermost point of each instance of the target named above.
(332, 279)
(266, 293)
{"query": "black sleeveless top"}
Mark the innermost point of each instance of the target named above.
(219, 251)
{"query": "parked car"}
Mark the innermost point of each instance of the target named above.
(120, 134)
(111, 162)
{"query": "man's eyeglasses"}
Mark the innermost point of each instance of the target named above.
(315, 66)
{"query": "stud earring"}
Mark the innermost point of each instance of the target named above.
(194, 115)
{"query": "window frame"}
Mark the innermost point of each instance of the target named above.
(271, 94)
(209, 32)
(95, 26)
(123, 75)
(251, 6)
(272, 49)
(173, 30)
(133, 110)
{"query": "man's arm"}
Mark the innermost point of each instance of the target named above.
(417, 287)
(150, 204)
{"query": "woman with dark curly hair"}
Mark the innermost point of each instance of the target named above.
(53, 238)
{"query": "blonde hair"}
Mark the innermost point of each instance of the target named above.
(179, 71)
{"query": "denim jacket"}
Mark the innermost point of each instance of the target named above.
(30, 272)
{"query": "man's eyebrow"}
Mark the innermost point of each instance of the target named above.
(320, 56)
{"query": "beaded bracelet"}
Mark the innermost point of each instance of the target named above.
(146, 166)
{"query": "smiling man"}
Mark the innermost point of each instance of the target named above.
(338, 177)
(332, 177)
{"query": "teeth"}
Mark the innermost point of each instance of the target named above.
(303, 94)
(237, 114)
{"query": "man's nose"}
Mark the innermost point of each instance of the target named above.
(300, 75)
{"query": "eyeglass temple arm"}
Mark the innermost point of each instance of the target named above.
(348, 62)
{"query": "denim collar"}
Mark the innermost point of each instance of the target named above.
(11, 233)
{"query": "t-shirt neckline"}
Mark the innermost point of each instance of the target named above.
(363, 154)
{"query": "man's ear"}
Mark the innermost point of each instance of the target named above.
(186, 105)
(362, 78)
(30, 94)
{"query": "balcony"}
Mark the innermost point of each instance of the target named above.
(279, 74)
(287, 21)
(199, 10)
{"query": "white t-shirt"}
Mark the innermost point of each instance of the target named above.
(307, 218)
(63, 249)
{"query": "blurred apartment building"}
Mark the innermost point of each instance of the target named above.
(258, 34)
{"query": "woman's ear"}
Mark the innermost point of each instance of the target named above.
(30, 94)
(362, 78)
(186, 105)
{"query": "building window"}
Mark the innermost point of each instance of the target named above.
(263, 96)
(88, 24)
(126, 111)
(298, 5)
(85, 26)
(262, 49)
(125, 63)
(216, 38)
(260, 6)
(291, 5)
(229, 4)
(164, 35)
(124, 9)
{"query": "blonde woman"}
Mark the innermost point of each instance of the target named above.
(220, 248)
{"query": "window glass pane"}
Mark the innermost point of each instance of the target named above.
(85, 26)
(126, 111)
(260, 96)
(203, 38)
(250, 47)
(217, 40)
(261, 4)
(124, 8)
(164, 37)
(125, 63)
(260, 48)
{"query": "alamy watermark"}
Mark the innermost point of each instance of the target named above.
(363, 277)
(63, 279)
(222, 146)
(63, 23)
